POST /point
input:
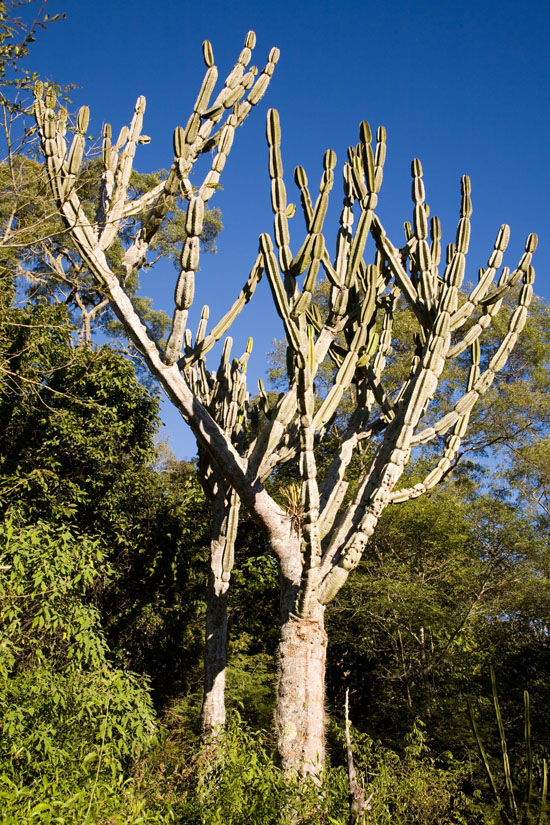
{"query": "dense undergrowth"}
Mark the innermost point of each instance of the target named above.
(82, 742)
(190, 786)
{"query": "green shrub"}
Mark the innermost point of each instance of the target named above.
(243, 785)
(65, 711)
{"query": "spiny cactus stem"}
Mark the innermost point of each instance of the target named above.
(311, 541)
(122, 174)
(278, 291)
(401, 277)
(305, 199)
(272, 435)
(503, 748)
(219, 330)
(484, 757)
(443, 466)
(334, 486)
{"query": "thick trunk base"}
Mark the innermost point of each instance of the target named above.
(301, 694)
(215, 662)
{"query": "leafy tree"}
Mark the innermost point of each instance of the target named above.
(62, 701)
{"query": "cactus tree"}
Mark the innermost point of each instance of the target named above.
(320, 541)
(210, 129)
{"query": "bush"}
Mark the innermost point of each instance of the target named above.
(240, 783)
(65, 711)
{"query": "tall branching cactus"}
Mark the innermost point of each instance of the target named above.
(531, 809)
(356, 335)
(210, 130)
(369, 276)
(225, 396)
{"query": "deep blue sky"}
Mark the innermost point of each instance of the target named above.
(463, 86)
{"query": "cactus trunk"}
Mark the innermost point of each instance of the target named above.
(301, 693)
(215, 653)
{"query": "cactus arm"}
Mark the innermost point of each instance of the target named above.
(331, 507)
(344, 377)
(504, 749)
(528, 752)
(121, 171)
(444, 465)
(236, 84)
(373, 373)
(278, 196)
(423, 269)
(462, 408)
(453, 442)
(363, 346)
(334, 486)
(344, 238)
(486, 763)
(196, 139)
(477, 385)
(300, 179)
(486, 277)
(525, 273)
(379, 394)
(278, 292)
(185, 285)
(313, 248)
(203, 346)
(362, 180)
(311, 540)
(279, 439)
(391, 254)
(137, 206)
(263, 450)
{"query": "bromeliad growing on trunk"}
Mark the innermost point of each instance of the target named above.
(320, 541)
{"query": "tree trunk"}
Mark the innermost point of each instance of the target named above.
(225, 515)
(301, 693)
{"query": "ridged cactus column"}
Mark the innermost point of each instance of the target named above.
(225, 517)
(225, 396)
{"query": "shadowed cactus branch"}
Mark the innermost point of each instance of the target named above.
(533, 808)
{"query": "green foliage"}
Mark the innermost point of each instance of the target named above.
(245, 785)
(62, 702)
(16, 39)
(156, 522)
(71, 420)
(76, 798)
(445, 586)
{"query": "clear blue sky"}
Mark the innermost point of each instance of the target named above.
(463, 86)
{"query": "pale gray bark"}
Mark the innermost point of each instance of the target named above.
(301, 693)
(225, 512)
